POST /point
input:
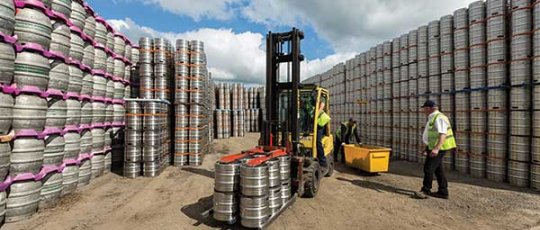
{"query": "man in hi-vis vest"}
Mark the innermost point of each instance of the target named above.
(439, 139)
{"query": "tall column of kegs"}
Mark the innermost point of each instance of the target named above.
(61, 102)
(198, 90)
(497, 95)
(181, 102)
(535, 140)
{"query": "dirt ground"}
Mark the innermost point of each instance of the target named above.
(348, 200)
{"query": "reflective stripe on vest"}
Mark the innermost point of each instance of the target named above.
(433, 134)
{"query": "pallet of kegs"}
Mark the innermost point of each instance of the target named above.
(146, 137)
(251, 193)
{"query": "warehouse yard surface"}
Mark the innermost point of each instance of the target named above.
(348, 200)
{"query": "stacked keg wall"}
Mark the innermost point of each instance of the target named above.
(480, 65)
(239, 110)
(63, 75)
(193, 102)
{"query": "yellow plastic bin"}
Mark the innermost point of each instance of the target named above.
(368, 158)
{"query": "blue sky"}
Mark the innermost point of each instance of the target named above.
(313, 46)
(234, 30)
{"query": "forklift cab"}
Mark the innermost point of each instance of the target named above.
(310, 98)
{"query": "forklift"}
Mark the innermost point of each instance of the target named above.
(291, 112)
(290, 125)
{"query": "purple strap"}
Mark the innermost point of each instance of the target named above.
(98, 126)
(85, 127)
(8, 39)
(85, 97)
(53, 130)
(28, 133)
(55, 92)
(69, 95)
(71, 128)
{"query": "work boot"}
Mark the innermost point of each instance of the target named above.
(440, 195)
(425, 192)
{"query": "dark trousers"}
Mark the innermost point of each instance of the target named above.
(338, 150)
(320, 150)
(434, 165)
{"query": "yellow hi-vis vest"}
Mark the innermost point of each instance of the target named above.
(433, 134)
(323, 119)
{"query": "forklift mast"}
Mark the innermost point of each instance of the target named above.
(282, 49)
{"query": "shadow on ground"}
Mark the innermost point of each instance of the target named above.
(412, 169)
(195, 211)
(200, 171)
(379, 187)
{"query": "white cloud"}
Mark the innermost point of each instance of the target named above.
(352, 25)
(199, 9)
(231, 56)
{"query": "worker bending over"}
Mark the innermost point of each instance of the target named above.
(343, 137)
(439, 139)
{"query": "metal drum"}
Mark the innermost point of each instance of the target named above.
(274, 173)
(98, 140)
(119, 113)
(520, 148)
(520, 122)
(86, 142)
(51, 190)
(227, 177)
(29, 112)
(118, 90)
(7, 17)
(285, 169)
(32, 69)
(33, 26)
(145, 51)
(109, 113)
(132, 169)
(225, 207)
(495, 169)
(135, 137)
(119, 68)
(129, 52)
(60, 38)
(5, 152)
(518, 173)
(109, 90)
(6, 112)
(86, 112)
(89, 55)
(119, 46)
(151, 169)
(56, 113)
(72, 145)
(58, 76)
(110, 64)
(98, 165)
(101, 33)
(85, 173)
(23, 200)
(54, 150)
(254, 211)
(90, 26)
(254, 180)
(274, 200)
(78, 14)
(87, 84)
(100, 59)
(194, 158)
(70, 179)
(75, 79)
(76, 50)
(7, 60)
(98, 112)
(133, 153)
(110, 40)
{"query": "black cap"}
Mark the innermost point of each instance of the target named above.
(429, 104)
